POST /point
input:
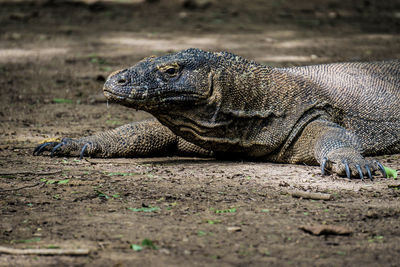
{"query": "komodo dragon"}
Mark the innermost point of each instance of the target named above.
(222, 105)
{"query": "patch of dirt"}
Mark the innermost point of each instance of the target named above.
(54, 58)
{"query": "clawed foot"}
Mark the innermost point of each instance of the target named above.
(351, 164)
(64, 147)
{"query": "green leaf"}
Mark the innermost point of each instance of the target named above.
(7, 176)
(36, 239)
(213, 221)
(377, 238)
(98, 60)
(55, 181)
(117, 173)
(136, 247)
(148, 243)
(53, 246)
(101, 194)
(106, 68)
(201, 233)
(390, 173)
(232, 210)
(62, 101)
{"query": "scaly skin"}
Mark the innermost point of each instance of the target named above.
(332, 115)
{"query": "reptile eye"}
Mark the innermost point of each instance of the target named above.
(171, 71)
(122, 81)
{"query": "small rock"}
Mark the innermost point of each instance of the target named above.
(284, 184)
(371, 214)
(333, 15)
(269, 40)
(234, 229)
(164, 251)
(183, 15)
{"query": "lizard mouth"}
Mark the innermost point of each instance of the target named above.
(112, 96)
(153, 100)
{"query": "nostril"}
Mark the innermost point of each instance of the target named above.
(122, 81)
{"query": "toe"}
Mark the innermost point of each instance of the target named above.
(42, 147)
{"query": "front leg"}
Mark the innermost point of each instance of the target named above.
(333, 148)
(146, 138)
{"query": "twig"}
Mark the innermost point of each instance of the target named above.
(44, 251)
(102, 161)
(19, 188)
(30, 172)
(326, 229)
(309, 195)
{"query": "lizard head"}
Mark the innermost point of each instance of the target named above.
(173, 81)
(200, 96)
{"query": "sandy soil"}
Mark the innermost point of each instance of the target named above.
(54, 58)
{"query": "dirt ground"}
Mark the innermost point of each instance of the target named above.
(54, 58)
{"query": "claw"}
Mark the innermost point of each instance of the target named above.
(83, 150)
(323, 165)
(360, 172)
(39, 149)
(382, 169)
(55, 148)
(348, 173)
(369, 172)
